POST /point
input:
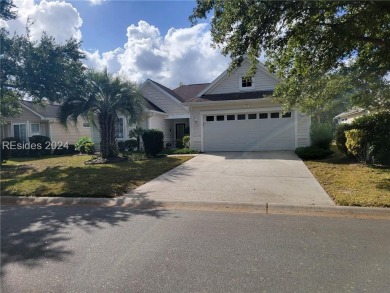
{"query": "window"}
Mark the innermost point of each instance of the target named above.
(230, 117)
(252, 116)
(246, 82)
(209, 118)
(86, 124)
(20, 131)
(263, 115)
(275, 115)
(35, 129)
(286, 115)
(241, 117)
(220, 118)
(119, 128)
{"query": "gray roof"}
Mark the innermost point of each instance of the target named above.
(231, 96)
(188, 92)
(47, 111)
(169, 91)
(150, 106)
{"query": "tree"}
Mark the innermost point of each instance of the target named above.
(7, 10)
(105, 98)
(41, 70)
(324, 52)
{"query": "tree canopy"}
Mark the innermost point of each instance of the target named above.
(106, 97)
(40, 70)
(324, 52)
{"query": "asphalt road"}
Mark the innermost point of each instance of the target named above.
(91, 249)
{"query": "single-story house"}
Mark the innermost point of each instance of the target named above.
(350, 115)
(38, 120)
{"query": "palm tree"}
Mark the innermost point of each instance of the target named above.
(105, 98)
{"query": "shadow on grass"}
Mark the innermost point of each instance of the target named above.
(34, 235)
(105, 180)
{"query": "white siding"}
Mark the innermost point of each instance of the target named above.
(166, 126)
(231, 83)
(303, 130)
(162, 101)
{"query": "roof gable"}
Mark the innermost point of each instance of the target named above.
(229, 82)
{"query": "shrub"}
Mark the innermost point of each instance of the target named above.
(85, 145)
(121, 146)
(131, 144)
(377, 130)
(71, 149)
(42, 143)
(184, 151)
(321, 135)
(179, 144)
(5, 152)
(137, 133)
(186, 141)
(153, 142)
(340, 137)
(356, 144)
(312, 152)
(11, 146)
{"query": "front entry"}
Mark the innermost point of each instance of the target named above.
(180, 130)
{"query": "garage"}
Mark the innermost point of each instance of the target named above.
(260, 130)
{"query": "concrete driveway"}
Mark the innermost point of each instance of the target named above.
(241, 177)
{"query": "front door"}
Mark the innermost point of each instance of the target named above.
(180, 129)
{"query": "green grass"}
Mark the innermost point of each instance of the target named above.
(68, 176)
(350, 183)
(183, 151)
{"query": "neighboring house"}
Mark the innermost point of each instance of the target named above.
(38, 120)
(349, 116)
(234, 114)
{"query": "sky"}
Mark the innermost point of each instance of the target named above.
(135, 39)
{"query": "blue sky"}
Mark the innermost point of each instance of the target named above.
(104, 26)
(134, 39)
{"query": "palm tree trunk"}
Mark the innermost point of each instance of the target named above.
(107, 135)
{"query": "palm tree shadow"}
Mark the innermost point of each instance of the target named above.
(31, 235)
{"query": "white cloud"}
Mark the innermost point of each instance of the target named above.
(58, 19)
(182, 55)
(96, 2)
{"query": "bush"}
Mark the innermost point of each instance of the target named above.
(340, 137)
(85, 145)
(153, 142)
(131, 144)
(321, 135)
(42, 143)
(356, 144)
(179, 144)
(312, 152)
(186, 141)
(10, 145)
(376, 128)
(121, 146)
(184, 151)
(5, 152)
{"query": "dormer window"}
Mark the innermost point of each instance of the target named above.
(246, 83)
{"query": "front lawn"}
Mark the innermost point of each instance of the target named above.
(350, 183)
(69, 176)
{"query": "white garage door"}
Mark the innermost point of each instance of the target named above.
(257, 131)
